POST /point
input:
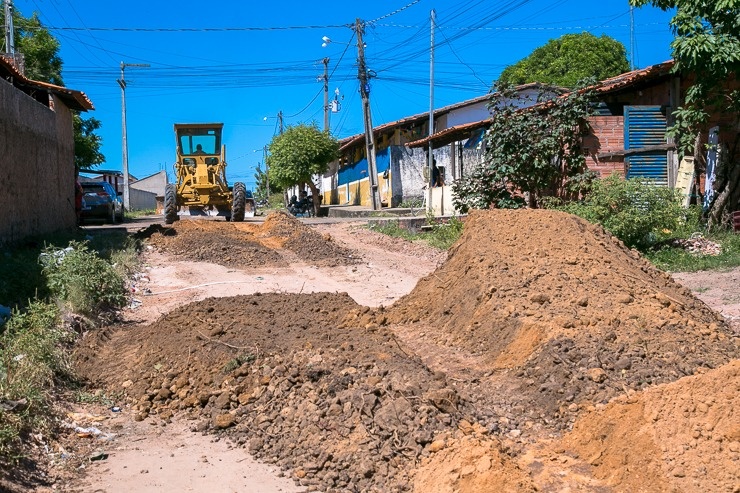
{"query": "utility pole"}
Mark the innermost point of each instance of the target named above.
(267, 171)
(326, 94)
(280, 121)
(430, 150)
(9, 32)
(124, 141)
(372, 170)
(632, 38)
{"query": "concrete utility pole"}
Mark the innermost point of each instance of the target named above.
(267, 171)
(430, 153)
(372, 170)
(124, 141)
(326, 94)
(9, 34)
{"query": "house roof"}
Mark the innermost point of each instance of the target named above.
(76, 100)
(354, 140)
(615, 84)
(451, 134)
(630, 79)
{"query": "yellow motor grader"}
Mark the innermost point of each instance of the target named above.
(201, 187)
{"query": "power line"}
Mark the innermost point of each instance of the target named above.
(394, 12)
(190, 29)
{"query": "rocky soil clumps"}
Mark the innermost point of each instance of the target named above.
(308, 382)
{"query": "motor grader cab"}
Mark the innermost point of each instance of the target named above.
(201, 187)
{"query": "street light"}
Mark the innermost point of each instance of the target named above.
(327, 41)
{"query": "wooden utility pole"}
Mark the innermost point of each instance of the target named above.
(372, 170)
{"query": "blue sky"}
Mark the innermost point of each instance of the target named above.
(242, 62)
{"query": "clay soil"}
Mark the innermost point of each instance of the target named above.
(539, 355)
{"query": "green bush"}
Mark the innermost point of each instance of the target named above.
(635, 211)
(80, 279)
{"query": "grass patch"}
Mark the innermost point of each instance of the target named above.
(679, 260)
(139, 213)
(441, 235)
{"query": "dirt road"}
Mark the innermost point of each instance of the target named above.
(260, 381)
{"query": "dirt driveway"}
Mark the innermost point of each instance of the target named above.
(172, 451)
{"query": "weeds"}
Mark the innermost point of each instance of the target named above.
(80, 279)
(33, 359)
(235, 363)
(98, 397)
(673, 259)
(441, 235)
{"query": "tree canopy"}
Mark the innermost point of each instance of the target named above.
(528, 151)
(42, 63)
(707, 44)
(299, 153)
(570, 58)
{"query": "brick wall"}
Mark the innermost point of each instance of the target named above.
(607, 134)
(36, 166)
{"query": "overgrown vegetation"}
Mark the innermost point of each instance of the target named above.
(532, 153)
(32, 360)
(82, 281)
(440, 235)
(648, 218)
(43, 282)
(635, 211)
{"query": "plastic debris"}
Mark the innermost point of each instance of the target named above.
(5, 314)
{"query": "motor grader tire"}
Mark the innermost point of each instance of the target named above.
(170, 204)
(240, 202)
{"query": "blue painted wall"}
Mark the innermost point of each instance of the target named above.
(358, 170)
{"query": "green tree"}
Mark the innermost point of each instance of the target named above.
(87, 142)
(566, 60)
(39, 48)
(707, 44)
(299, 153)
(42, 62)
(528, 151)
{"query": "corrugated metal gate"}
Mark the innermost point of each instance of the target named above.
(644, 126)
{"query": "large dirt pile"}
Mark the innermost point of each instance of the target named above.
(683, 436)
(279, 240)
(578, 317)
(306, 381)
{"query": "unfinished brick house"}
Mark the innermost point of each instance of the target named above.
(628, 133)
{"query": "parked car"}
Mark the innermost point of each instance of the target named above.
(100, 201)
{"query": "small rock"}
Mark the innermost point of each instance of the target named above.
(223, 421)
(596, 374)
(437, 445)
(539, 298)
(625, 299)
(678, 472)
